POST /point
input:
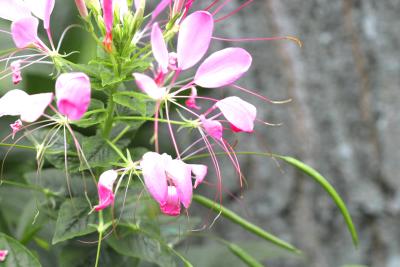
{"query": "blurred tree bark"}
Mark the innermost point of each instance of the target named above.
(343, 121)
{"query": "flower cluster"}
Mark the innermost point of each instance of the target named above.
(128, 40)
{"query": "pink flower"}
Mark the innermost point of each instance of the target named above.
(239, 113)
(16, 71)
(193, 41)
(29, 107)
(105, 189)
(41, 9)
(73, 94)
(169, 181)
(212, 127)
(3, 255)
(16, 127)
(223, 67)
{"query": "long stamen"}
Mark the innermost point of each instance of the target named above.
(172, 132)
(262, 97)
(211, 5)
(221, 7)
(234, 11)
(27, 65)
(156, 143)
(256, 39)
(64, 33)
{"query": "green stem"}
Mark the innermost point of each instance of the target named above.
(230, 215)
(138, 118)
(100, 229)
(110, 116)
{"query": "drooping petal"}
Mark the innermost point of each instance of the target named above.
(238, 112)
(173, 206)
(194, 38)
(223, 67)
(180, 174)
(149, 86)
(3, 255)
(155, 179)
(73, 94)
(14, 10)
(41, 9)
(24, 32)
(159, 48)
(105, 189)
(200, 172)
(29, 107)
(35, 106)
(12, 101)
(212, 127)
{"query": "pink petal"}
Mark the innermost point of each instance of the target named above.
(194, 38)
(35, 106)
(155, 179)
(12, 101)
(159, 47)
(180, 174)
(212, 127)
(173, 206)
(41, 9)
(3, 255)
(24, 32)
(14, 10)
(73, 94)
(105, 189)
(149, 86)
(108, 14)
(200, 172)
(159, 8)
(223, 67)
(238, 112)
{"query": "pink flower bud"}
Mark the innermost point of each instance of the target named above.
(16, 127)
(73, 94)
(3, 255)
(16, 71)
(105, 189)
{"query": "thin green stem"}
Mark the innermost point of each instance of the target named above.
(110, 116)
(100, 229)
(138, 118)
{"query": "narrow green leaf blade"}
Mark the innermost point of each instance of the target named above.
(73, 220)
(244, 256)
(329, 189)
(230, 215)
(18, 255)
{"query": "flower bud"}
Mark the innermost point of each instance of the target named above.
(73, 94)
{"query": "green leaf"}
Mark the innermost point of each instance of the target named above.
(73, 220)
(18, 255)
(135, 242)
(329, 189)
(233, 217)
(244, 256)
(137, 102)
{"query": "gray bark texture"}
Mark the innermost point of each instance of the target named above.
(343, 121)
